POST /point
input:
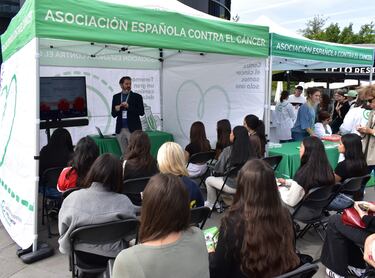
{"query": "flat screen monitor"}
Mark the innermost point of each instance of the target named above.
(62, 97)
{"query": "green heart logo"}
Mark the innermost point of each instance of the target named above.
(8, 101)
(190, 92)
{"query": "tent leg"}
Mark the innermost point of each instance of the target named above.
(28, 256)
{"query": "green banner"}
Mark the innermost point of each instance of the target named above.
(20, 31)
(288, 47)
(96, 21)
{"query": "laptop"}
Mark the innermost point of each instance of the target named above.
(100, 133)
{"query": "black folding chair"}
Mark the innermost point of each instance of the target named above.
(306, 270)
(133, 189)
(273, 161)
(230, 173)
(202, 158)
(98, 234)
(198, 216)
(351, 187)
(310, 210)
(48, 182)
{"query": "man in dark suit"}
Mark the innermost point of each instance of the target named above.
(127, 106)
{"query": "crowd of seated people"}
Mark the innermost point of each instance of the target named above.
(257, 221)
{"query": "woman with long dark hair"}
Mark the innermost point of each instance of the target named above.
(169, 246)
(257, 133)
(85, 153)
(325, 104)
(223, 129)
(285, 117)
(57, 152)
(256, 237)
(98, 202)
(198, 143)
(304, 125)
(341, 109)
(234, 155)
(315, 171)
(138, 161)
(354, 165)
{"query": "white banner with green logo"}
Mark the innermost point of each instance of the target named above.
(101, 85)
(17, 144)
(210, 88)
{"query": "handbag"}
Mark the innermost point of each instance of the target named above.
(351, 217)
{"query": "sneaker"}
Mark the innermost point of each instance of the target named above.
(358, 272)
(332, 274)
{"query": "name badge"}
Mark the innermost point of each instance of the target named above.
(124, 114)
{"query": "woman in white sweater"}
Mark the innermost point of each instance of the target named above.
(322, 128)
(315, 171)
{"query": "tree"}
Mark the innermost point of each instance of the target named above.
(314, 27)
(315, 30)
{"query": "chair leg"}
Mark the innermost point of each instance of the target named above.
(43, 206)
(304, 230)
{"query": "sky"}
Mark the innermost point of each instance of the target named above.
(294, 14)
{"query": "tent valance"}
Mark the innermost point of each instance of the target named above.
(103, 22)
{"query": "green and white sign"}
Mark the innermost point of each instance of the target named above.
(289, 47)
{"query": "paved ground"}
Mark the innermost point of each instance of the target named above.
(57, 265)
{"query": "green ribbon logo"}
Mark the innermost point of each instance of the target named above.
(8, 101)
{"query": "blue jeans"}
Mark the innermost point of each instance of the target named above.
(340, 202)
(298, 136)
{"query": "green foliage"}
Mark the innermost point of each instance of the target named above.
(315, 30)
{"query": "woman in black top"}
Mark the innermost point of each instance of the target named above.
(138, 161)
(198, 143)
(256, 237)
(354, 165)
(341, 107)
(223, 129)
(256, 130)
(58, 151)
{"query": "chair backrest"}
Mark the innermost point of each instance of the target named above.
(67, 192)
(50, 177)
(306, 270)
(202, 157)
(273, 161)
(314, 203)
(105, 233)
(133, 188)
(198, 216)
(352, 185)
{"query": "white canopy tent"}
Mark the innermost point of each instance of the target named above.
(197, 67)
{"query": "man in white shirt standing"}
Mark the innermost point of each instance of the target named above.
(297, 99)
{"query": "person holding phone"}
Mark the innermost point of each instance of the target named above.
(341, 253)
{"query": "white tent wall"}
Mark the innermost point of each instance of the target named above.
(18, 121)
(209, 88)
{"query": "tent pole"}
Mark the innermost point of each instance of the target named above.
(161, 59)
(371, 70)
(39, 250)
(267, 106)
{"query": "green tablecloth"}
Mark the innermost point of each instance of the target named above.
(291, 160)
(110, 144)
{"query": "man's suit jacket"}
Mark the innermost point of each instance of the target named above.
(135, 110)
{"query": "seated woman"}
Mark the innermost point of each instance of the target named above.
(315, 171)
(256, 130)
(168, 247)
(57, 153)
(171, 160)
(322, 127)
(234, 155)
(198, 143)
(256, 237)
(341, 253)
(85, 153)
(98, 203)
(354, 165)
(138, 161)
(223, 129)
